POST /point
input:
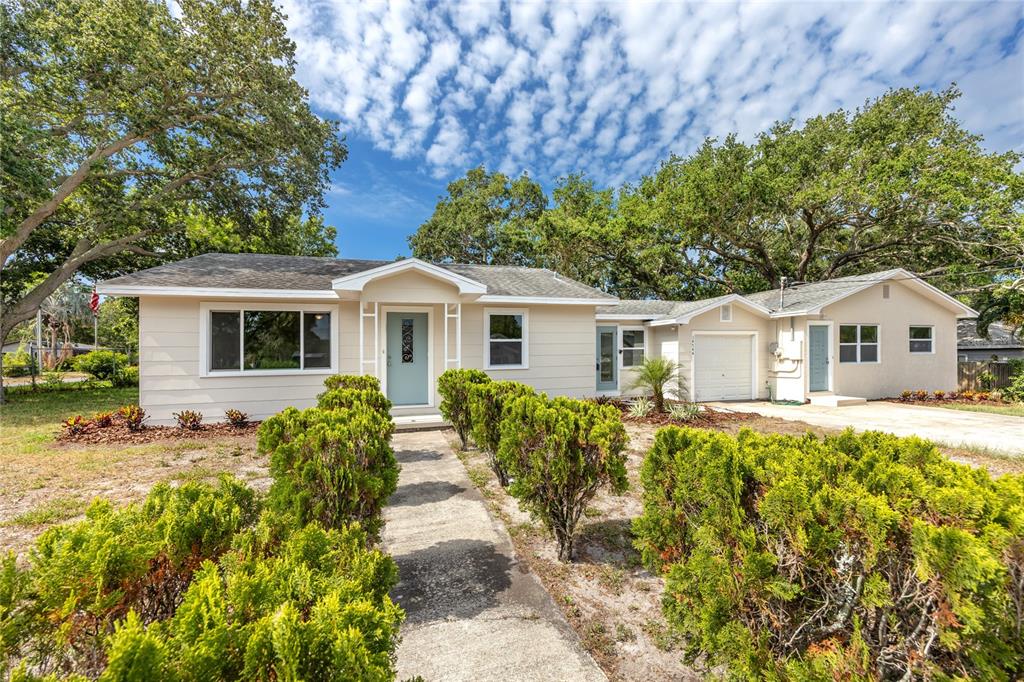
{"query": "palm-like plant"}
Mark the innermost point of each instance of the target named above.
(658, 376)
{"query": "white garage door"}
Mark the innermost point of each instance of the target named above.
(722, 367)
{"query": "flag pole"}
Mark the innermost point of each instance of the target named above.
(94, 305)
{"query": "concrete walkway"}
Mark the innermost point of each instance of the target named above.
(474, 612)
(997, 432)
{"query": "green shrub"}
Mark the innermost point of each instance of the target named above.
(316, 608)
(125, 377)
(453, 385)
(359, 382)
(83, 577)
(487, 403)
(856, 556)
(1015, 391)
(101, 364)
(330, 466)
(355, 398)
(20, 363)
(559, 453)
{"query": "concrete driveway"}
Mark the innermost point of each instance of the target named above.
(956, 428)
(474, 612)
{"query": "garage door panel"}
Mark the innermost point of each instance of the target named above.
(723, 366)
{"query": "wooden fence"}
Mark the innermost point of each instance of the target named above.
(969, 375)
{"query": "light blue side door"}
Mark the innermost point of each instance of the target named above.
(817, 357)
(607, 358)
(408, 364)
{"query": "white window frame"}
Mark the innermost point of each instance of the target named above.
(525, 340)
(622, 347)
(859, 343)
(723, 316)
(206, 308)
(930, 339)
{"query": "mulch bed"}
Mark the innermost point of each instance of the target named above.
(708, 418)
(119, 433)
(944, 401)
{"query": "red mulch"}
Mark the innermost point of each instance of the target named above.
(119, 433)
(944, 401)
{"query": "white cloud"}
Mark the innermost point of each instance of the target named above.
(612, 88)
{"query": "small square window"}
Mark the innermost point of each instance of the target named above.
(921, 339)
(633, 347)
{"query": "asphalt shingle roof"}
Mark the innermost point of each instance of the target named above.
(999, 336)
(798, 298)
(308, 273)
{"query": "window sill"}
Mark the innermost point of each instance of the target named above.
(215, 374)
(493, 368)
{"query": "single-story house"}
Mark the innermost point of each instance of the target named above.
(259, 332)
(834, 342)
(1001, 345)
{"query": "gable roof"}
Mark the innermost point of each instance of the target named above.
(801, 299)
(999, 336)
(242, 274)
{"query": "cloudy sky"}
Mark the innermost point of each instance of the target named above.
(424, 92)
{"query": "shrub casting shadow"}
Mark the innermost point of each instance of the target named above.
(424, 492)
(452, 579)
(409, 456)
(607, 541)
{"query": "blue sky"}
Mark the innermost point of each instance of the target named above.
(425, 91)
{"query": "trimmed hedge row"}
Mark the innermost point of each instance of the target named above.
(553, 455)
(197, 583)
(849, 557)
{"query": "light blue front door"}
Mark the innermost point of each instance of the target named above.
(817, 356)
(607, 358)
(407, 360)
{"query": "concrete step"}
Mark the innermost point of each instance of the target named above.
(832, 400)
(419, 421)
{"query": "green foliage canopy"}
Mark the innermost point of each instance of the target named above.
(123, 122)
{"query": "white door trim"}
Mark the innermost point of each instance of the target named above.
(383, 326)
(753, 359)
(830, 359)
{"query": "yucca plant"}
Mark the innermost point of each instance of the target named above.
(658, 376)
(640, 407)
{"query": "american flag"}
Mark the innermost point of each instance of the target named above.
(94, 302)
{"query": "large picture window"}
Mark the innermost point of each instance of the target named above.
(260, 340)
(506, 339)
(633, 347)
(858, 343)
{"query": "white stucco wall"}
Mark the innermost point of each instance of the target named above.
(898, 369)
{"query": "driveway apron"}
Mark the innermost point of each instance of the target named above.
(474, 612)
(997, 432)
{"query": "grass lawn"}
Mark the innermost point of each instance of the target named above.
(1010, 409)
(45, 482)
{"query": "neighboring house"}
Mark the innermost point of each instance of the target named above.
(259, 332)
(834, 342)
(1001, 345)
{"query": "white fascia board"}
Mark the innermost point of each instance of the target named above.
(913, 280)
(216, 292)
(732, 298)
(544, 300)
(357, 281)
(621, 316)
